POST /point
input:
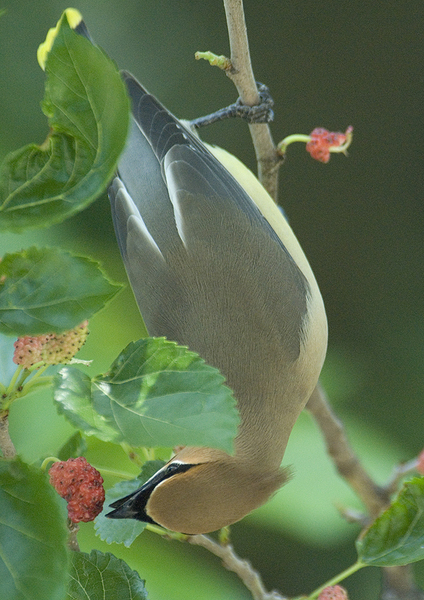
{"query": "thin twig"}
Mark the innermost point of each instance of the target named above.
(242, 568)
(6, 444)
(398, 473)
(242, 76)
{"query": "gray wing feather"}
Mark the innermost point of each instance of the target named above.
(206, 268)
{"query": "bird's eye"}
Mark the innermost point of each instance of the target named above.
(172, 468)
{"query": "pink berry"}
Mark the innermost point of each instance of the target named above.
(322, 140)
(420, 465)
(27, 351)
(333, 592)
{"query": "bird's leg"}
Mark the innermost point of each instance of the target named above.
(260, 113)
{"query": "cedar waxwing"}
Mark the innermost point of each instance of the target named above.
(215, 266)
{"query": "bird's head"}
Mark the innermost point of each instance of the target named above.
(198, 491)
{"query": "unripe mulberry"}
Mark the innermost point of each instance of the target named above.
(62, 347)
(50, 348)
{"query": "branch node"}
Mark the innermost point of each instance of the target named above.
(221, 61)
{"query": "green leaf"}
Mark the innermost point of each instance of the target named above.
(74, 447)
(50, 290)
(33, 555)
(118, 531)
(124, 531)
(72, 396)
(160, 394)
(102, 576)
(155, 394)
(397, 536)
(88, 114)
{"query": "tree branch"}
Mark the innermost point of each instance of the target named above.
(242, 568)
(398, 581)
(72, 539)
(6, 444)
(242, 76)
(344, 458)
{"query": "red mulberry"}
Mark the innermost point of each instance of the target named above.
(81, 485)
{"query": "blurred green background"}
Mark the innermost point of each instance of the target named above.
(359, 220)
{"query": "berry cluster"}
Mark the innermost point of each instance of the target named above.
(322, 141)
(50, 348)
(81, 485)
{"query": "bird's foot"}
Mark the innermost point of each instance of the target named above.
(260, 113)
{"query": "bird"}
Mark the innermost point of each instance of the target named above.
(214, 265)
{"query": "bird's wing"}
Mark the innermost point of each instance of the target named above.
(206, 267)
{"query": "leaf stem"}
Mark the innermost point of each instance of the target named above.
(120, 474)
(12, 383)
(15, 386)
(334, 580)
(36, 379)
(46, 461)
(17, 389)
(290, 139)
(166, 533)
(149, 453)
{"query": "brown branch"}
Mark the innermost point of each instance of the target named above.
(72, 539)
(344, 458)
(398, 581)
(242, 568)
(241, 74)
(6, 444)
